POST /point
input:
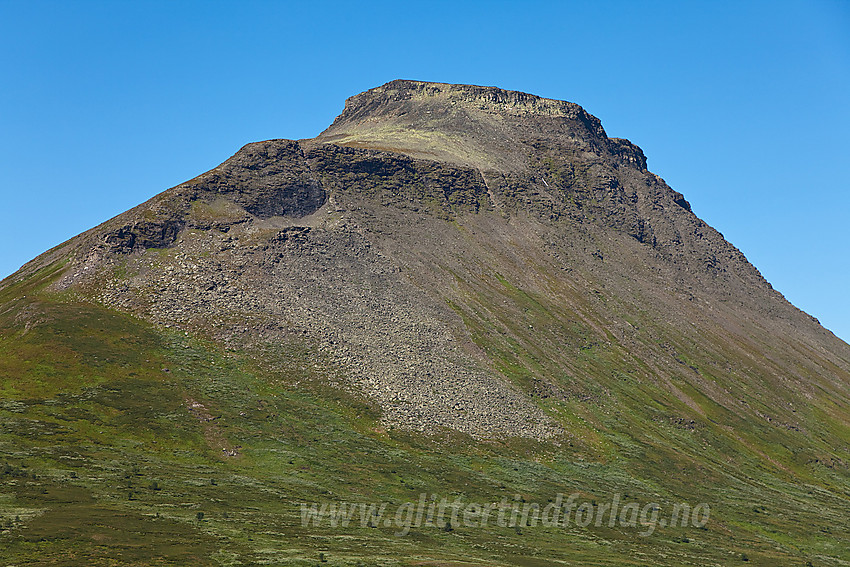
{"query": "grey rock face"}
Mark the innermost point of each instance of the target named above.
(267, 179)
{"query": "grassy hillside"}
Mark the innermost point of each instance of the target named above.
(122, 443)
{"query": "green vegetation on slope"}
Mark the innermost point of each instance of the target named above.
(125, 444)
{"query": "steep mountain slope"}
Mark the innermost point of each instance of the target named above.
(482, 266)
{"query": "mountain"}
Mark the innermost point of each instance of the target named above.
(453, 291)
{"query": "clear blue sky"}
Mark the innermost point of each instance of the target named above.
(742, 106)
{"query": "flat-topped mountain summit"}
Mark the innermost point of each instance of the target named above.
(483, 127)
(451, 264)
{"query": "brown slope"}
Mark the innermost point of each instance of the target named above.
(468, 255)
